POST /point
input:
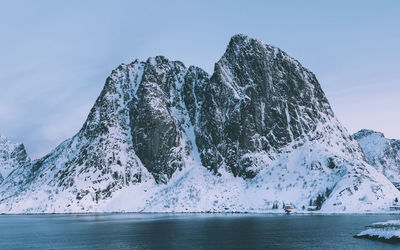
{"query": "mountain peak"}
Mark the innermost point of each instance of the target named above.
(238, 39)
(249, 44)
(163, 137)
(242, 39)
(12, 155)
(382, 153)
(3, 139)
(367, 132)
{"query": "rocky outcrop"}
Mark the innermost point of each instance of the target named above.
(259, 100)
(12, 156)
(382, 153)
(164, 137)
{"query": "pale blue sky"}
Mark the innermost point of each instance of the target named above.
(56, 55)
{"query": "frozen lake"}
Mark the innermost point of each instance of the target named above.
(188, 231)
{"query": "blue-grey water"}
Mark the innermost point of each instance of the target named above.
(188, 231)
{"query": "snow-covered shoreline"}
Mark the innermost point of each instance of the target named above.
(386, 231)
(216, 213)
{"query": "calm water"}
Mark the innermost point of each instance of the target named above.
(193, 231)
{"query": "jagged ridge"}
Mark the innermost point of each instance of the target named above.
(382, 153)
(12, 156)
(163, 137)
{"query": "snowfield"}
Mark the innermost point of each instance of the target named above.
(288, 180)
(257, 134)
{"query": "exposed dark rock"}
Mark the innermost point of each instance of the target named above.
(12, 156)
(156, 118)
(258, 99)
(382, 153)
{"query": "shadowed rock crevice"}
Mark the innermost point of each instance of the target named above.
(165, 137)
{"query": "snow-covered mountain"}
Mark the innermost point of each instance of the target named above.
(12, 156)
(162, 137)
(382, 153)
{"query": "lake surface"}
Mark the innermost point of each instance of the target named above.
(188, 231)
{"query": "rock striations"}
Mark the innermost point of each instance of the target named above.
(382, 153)
(12, 156)
(162, 137)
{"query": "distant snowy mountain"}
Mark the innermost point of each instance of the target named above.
(12, 156)
(382, 153)
(162, 137)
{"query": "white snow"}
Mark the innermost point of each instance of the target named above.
(323, 162)
(382, 230)
(381, 153)
(8, 160)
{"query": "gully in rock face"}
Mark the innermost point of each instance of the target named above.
(162, 137)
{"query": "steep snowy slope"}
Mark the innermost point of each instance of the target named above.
(382, 153)
(163, 137)
(12, 156)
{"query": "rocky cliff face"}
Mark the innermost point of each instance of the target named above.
(12, 156)
(382, 153)
(259, 100)
(164, 137)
